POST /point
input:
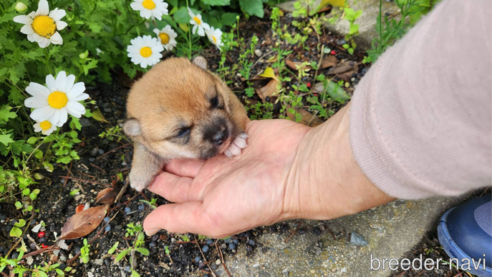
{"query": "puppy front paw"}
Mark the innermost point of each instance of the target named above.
(140, 180)
(237, 145)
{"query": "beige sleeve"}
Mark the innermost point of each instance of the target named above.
(421, 119)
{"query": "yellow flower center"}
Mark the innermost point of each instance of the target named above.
(145, 52)
(57, 99)
(197, 20)
(164, 38)
(44, 26)
(148, 4)
(215, 39)
(45, 125)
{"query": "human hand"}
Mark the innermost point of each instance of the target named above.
(224, 196)
(287, 171)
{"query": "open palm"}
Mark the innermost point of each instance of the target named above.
(224, 196)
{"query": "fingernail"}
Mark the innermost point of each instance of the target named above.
(151, 232)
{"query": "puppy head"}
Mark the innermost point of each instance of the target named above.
(180, 110)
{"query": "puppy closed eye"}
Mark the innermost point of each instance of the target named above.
(215, 103)
(183, 132)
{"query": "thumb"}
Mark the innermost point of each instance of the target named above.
(188, 217)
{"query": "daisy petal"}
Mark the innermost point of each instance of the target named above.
(51, 83)
(63, 117)
(38, 90)
(43, 42)
(24, 19)
(42, 114)
(36, 102)
(43, 8)
(60, 25)
(70, 82)
(57, 14)
(61, 80)
(56, 117)
(76, 90)
(27, 29)
(56, 38)
(75, 109)
(81, 97)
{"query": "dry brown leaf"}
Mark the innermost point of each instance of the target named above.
(318, 88)
(308, 118)
(106, 196)
(328, 61)
(268, 90)
(83, 223)
(345, 70)
(296, 65)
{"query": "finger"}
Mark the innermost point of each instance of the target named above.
(184, 167)
(181, 218)
(173, 188)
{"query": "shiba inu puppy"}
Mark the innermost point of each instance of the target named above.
(179, 109)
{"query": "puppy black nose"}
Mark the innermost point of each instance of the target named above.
(220, 137)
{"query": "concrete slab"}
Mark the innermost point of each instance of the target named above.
(390, 230)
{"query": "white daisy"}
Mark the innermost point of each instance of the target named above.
(44, 127)
(198, 23)
(215, 36)
(59, 97)
(150, 8)
(41, 26)
(167, 37)
(145, 51)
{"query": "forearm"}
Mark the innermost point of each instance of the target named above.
(325, 181)
(421, 118)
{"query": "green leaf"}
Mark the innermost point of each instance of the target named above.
(135, 274)
(121, 255)
(32, 140)
(111, 251)
(182, 16)
(21, 223)
(143, 251)
(26, 191)
(60, 272)
(216, 2)
(5, 113)
(354, 29)
(15, 232)
(229, 18)
(336, 92)
(18, 205)
(252, 7)
(6, 139)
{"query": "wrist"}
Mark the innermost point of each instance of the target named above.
(325, 181)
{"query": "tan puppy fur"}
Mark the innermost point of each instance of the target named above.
(178, 109)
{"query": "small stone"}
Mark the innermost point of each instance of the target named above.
(210, 242)
(218, 262)
(214, 267)
(33, 246)
(108, 228)
(94, 151)
(128, 269)
(205, 249)
(141, 207)
(197, 259)
(341, 42)
(152, 244)
(42, 240)
(107, 219)
(128, 210)
(258, 53)
(223, 246)
(249, 248)
(251, 242)
(100, 151)
(357, 240)
(232, 246)
(3, 217)
(235, 241)
(92, 160)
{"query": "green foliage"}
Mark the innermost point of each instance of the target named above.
(138, 242)
(391, 29)
(84, 252)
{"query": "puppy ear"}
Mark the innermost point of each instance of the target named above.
(132, 127)
(201, 62)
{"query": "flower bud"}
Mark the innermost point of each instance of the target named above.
(83, 55)
(20, 7)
